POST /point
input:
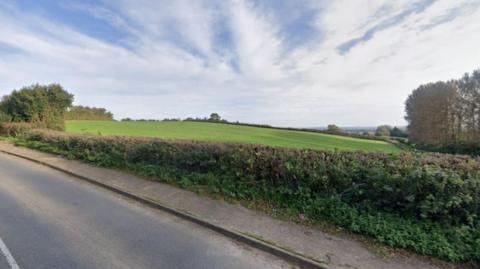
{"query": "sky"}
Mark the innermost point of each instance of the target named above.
(302, 63)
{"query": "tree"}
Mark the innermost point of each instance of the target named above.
(431, 113)
(445, 113)
(383, 130)
(42, 106)
(469, 88)
(334, 129)
(215, 117)
(397, 132)
(88, 113)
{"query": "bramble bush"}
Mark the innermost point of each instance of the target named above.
(15, 128)
(429, 203)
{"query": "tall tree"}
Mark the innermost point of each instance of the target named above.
(431, 111)
(446, 113)
(470, 92)
(43, 106)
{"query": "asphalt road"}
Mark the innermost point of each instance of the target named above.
(52, 220)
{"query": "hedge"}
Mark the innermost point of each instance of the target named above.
(458, 147)
(15, 128)
(429, 203)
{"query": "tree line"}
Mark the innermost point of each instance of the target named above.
(380, 131)
(446, 115)
(215, 117)
(88, 113)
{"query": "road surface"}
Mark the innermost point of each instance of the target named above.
(51, 220)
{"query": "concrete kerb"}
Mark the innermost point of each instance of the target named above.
(289, 256)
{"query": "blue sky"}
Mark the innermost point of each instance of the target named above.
(280, 62)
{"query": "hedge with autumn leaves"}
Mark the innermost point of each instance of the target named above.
(428, 203)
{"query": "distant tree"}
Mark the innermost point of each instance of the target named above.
(397, 132)
(334, 129)
(42, 106)
(88, 113)
(383, 130)
(215, 117)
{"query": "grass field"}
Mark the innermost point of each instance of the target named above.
(229, 133)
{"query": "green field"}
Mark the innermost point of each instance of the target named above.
(229, 133)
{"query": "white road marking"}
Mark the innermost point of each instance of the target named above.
(11, 261)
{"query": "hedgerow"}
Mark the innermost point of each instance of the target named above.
(15, 128)
(428, 203)
(457, 147)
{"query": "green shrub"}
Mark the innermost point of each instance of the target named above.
(458, 147)
(43, 106)
(428, 203)
(4, 118)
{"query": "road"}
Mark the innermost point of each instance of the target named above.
(51, 220)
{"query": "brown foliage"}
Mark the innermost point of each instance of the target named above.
(443, 113)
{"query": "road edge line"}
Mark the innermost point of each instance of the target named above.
(248, 240)
(10, 259)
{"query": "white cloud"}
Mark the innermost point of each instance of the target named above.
(172, 63)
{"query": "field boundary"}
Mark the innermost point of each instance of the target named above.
(287, 255)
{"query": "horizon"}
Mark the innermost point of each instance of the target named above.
(285, 64)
